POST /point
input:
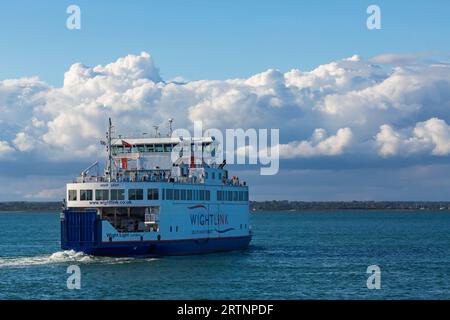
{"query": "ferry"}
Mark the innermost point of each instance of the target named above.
(147, 204)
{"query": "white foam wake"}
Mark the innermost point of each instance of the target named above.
(62, 257)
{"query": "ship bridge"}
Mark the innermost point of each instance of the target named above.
(161, 159)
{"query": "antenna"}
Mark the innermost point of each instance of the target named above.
(170, 126)
(156, 130)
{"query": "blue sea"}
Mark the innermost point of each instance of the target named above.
(293, 255)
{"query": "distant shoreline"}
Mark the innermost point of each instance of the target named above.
(282, 206)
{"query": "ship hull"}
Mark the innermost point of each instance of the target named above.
(163, 248)
(83, 231)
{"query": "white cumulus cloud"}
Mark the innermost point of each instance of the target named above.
(428, 137)
(350, 105)
(320, 144)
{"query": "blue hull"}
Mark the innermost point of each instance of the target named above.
(81, 230)
(163, 248)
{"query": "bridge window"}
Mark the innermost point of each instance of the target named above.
(159, 148)
(189, 194)
(102, 194)
(167, 148)
(72, 195)
(135, 194)
(85, 195)
(183, 194)
(117, 194)
(241, 195)
(152, 194)
(176, 194)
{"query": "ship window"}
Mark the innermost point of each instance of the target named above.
(220, 175)
(183, 194)
(72, 195)
(117, 194)
(170, 228)
(164, 194)
(135, 194)
(158, 147)
(119, 149)
(167, 148)
(176, 229)
(102, 194)
(241, 196)
(169, 194)
(206, 174)
(85, 195)
(152, 194)
(189, 194)
(235, 196)
(150, 148)
(245, 195)
(207, 195)
(230, 196)
(219, 195)
(176, 194)
(213, 175)
(141, 148)
(202, 194)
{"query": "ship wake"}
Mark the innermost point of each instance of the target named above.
(63, 257)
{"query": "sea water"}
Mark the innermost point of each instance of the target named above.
(293, 255)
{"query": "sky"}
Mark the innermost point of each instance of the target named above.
(363, 114)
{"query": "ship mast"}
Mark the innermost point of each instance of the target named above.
(109, 151)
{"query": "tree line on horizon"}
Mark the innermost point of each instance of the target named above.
(273, 205)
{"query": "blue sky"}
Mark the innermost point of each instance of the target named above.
(203, 39)
(363, 114)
